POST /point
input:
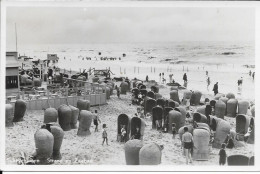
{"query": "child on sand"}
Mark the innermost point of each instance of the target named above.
(187, 141)
(222, 155)
(104, 134)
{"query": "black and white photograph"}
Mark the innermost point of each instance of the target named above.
(129, 86)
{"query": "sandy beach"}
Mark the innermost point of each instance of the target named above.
(89, 150)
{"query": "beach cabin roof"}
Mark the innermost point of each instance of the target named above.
(52, 57)
(12, 60)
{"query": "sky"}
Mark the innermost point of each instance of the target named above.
(78, 25)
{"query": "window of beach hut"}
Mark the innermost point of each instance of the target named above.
(242, 123)
(160, 102)
(157, 113)
(123, 119)
(237, 160)
(150, 94)
(137, 123)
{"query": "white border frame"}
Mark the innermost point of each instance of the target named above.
(160, 4)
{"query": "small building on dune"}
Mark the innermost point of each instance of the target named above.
(12, 73)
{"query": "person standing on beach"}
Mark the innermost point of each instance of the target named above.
(147, 78)
(118, 92)
(253, 75)
(215, 88)
(222, 155)
(185, 80)
(208, 82)
(104, 134)
(187, 141)
(163, 75)
(96, 120)
(160, 77)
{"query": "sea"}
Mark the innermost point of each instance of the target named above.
(225, 62)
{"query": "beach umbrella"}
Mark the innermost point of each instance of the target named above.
(201, 109)
(9, 115)
(44, 142)
(218, 96)
(19, 110)
(151, 94)
(157, 113)
(177, 118)
(58, 135)
(137, 122)
(232, 107)
(237, 160)
(220, 109)
(124, 87)
(149, 104)
(201, 139)
(195, 98)
(222, 130)
(160, 102)
(253, 110)
(199, 118)
(125, 120)
(132, 149)
(84, 123)
(150, 154)
(230, 95)
(243, 107)
(242, 124)
(175, 96)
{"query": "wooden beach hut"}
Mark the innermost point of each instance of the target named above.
(125, 120)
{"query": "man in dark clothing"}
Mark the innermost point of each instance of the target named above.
(222, 155)
(185, 77)
(215, 88)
